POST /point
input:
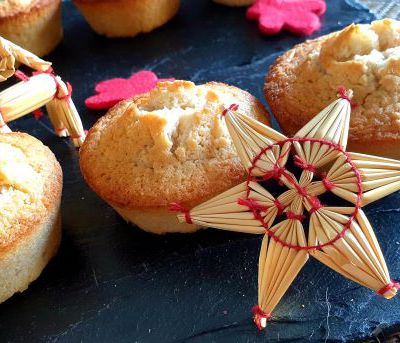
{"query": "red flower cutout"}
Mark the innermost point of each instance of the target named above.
(110, 92)
(300, 17)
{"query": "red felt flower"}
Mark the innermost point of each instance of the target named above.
(297, 16)
(110, 92)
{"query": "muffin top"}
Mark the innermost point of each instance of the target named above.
(167, 145)
(362, 57)
(9, 8)
(30, 183)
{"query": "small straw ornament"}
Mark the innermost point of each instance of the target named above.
(33, 92)
(339, 237)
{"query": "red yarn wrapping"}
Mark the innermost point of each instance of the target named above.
(275, 173)
(233, 107)
(295, 216)
(176, 207)
(79, 136)
(68, 95)
(342, 92)
(328, 184)
(258, 315)
(303, 164)
(252, 204)
(21, 75)
(315, 203)
(388, 287)
(281, 207)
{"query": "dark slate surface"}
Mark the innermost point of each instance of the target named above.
(112, 282)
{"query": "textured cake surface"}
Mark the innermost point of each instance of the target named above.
(170, 144)
(362, 57)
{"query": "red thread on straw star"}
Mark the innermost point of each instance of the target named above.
(259, 316)
(176, 207)
(388, 287)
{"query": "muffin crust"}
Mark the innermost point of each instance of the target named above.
(167, 145)
(364, 58)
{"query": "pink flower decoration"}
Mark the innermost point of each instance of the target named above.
(297, 16)
(110, 92)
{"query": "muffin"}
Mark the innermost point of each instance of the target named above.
(362, 57)
(30, 226)
(168, 145)
(234, 3)
(33, 24)
(126, 18)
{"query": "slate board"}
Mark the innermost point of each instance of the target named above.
(111, 282)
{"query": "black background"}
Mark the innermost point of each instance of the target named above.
(113, 282)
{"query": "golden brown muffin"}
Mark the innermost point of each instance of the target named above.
(364, 58)
(169, 145)
(30, 226)
(234, 3)
(33, 24)
(126, 18)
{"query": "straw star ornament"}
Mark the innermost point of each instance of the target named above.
(296, 223)
(33, 92)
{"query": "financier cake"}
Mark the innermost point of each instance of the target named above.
(362, 57)
(169, 145)
(126, 18)
(33, 24)
(30, 226)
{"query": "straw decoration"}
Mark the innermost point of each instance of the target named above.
(3, 126)
(340, 237)
(11, 53)
(33, 92)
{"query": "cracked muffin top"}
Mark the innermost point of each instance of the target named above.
(362, 57)
(168, 145)
(30, 184)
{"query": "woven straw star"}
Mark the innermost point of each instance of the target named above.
(340, 237)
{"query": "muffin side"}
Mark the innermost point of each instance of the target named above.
(29, 206)
(36, 27)
(126, 18)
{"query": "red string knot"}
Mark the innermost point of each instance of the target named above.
(68, 95)
(315, 204)
(388, 287)
(275, 173)
(176, 207)
(233, 107)
(345, 94)
(21, 75)
(303, 164)
(260, 317)
(295, 216)
(328, 184)
(281, 207)
(302, 191)
(252, 204)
